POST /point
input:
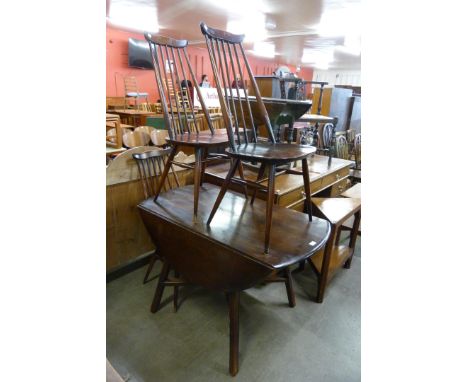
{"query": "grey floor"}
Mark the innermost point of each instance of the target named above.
(311, 342)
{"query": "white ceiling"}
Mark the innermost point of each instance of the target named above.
(309, 33)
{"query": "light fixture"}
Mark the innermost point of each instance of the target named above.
(319, 58)
(264, 49)
(252, 25)
(143, 17)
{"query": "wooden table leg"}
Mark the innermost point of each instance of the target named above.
(160, 288)
(233, 298)
(289, 288)
(323, 278)
(197, 178)
(269, 209)
(305, 176)
(353, 237)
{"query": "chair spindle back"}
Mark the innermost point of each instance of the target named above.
(226, 54)
(342, 147)
(171, 66)
(150, 167)
(357, 151)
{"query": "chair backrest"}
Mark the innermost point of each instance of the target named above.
(357, 151)
(114, 133)
(130, 84)
(150, 167)
(136, 138)
(226, 55)
(341, 147)
(327, 135)
(170, 61)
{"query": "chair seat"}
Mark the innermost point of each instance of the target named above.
(136, 94)
(353, 192)
(271, 152)
(204, 138)
(337, 210)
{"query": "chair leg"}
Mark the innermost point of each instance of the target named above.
(241, 175)
(269, 210)
(305, 175)
(233, 298)
(160, 288)
(353, 237)
(289, 288)
(223, 190)
(323, 277)
(167, 166)
(261, 171)
(203, 168)
(176, 293)
(153, 259)
(196, 178)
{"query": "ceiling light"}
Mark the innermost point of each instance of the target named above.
(143, 17)
(264, 49)
(252, 25)
(314, 56)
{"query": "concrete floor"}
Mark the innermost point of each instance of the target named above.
(311, 342)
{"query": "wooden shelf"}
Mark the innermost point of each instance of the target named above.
(339, 256)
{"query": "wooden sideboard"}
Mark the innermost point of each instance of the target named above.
(327, 178)
(126, 236)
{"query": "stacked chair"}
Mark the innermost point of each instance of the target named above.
(226, 57)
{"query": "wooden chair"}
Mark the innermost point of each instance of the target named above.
(326, 136)
(182, 126)
(114, 134)
(327, 261)
(132, 92)
(341, 147)
(150, 167)
(241, 129)
(136, 138)
(158, 137)
(355, 173)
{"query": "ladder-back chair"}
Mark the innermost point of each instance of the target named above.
(182, 124)
(132, 92)
(226, 54)
(151, 165)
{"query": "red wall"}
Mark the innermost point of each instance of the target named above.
(117, 65)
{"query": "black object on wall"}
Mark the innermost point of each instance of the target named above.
(139, 54)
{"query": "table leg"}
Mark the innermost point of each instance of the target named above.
(323, 278)
(160, 288)
(269, 210)
(197, 178)
(233, 298)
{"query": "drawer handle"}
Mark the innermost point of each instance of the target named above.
(337, 176)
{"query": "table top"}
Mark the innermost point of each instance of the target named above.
(314, 118)
(239, 226)
(132, 112)
(275, 108)
(111, 117)
(319, 167)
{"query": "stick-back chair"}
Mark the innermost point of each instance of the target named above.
(151, 165)
(172, 65)
(226, 54)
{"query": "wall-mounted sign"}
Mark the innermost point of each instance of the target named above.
(210, 96)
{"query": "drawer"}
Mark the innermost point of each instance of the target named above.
(296, 192)
(331, 179)
(297, 206)
(339, 187)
